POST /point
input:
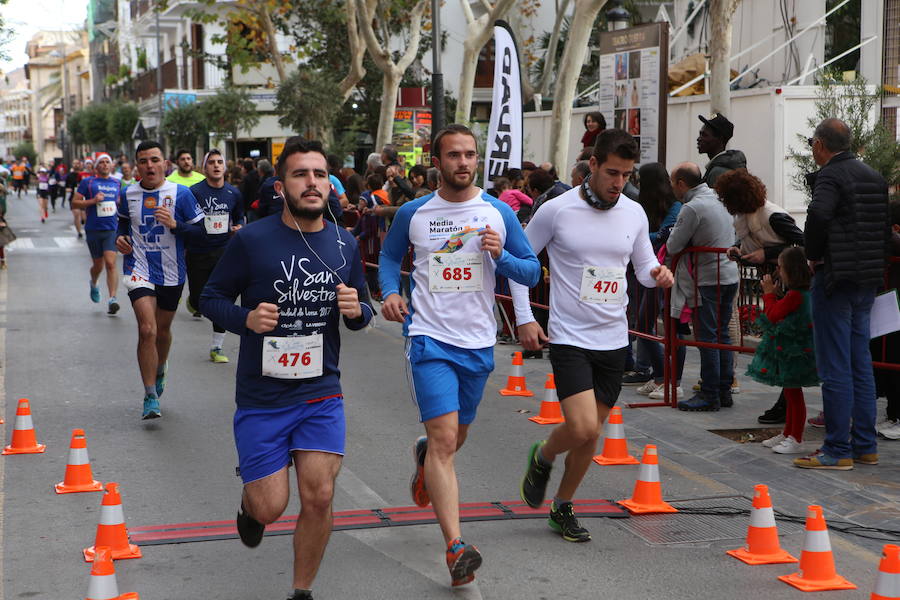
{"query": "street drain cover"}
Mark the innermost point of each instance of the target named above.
(686, 528)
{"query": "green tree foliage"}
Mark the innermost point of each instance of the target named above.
(307, 103)
(75, 125)
(121, 117)
(5, 33)
(853, 103)
(229, 112)
(185, 126)
(93, 124)
(27, 150)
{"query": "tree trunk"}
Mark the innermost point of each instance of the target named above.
(357, 52)
(550, 57)
(569, 70)
(266, 20)
(390, 82)
(720, 17)
(466, 82)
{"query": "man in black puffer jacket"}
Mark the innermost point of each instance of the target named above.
(847, 236)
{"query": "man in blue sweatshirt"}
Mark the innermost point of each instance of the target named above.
(296, 274)
(223, 211)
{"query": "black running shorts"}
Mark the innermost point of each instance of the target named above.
(576, 370)
(167, 296)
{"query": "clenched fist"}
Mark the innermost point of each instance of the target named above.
(348, 301)
(263, 318)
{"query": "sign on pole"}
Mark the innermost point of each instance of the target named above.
(504, 140)
(634, 66)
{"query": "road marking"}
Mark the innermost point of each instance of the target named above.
(20, 244)
(67, 242)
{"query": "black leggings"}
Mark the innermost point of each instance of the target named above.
(199, 268)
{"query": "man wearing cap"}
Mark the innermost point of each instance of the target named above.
(714, 136)
(223, 211)
(96, 196)
(185, 173)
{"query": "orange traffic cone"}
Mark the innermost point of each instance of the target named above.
(615, 448)
(103, 584)
(78, 469)
(816, 572)
(762, 546)
(111, 530)
(551, 413)
(23, 438)
(888, 585)
(515, 383)
(647, 495)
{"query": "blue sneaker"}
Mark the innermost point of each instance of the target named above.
(699, 403)
(151, 408)
(161, 380)
(95, 293)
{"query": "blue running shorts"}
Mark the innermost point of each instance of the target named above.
(445, 379)
(265, 437)
(100, 241)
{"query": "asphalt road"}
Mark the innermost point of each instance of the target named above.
(77, 366)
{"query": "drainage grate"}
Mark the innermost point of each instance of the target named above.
(682, 528)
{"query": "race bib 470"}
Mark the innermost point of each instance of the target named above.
(603, 285)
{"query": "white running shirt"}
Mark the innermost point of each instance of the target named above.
(577, 236)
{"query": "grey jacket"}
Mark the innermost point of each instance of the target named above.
(703, 221)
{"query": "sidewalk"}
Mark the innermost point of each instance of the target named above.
(867, 495)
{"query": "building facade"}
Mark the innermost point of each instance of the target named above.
(15, 111)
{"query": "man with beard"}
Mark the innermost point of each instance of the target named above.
(588, 325)
(97, 197)
(462, 238)
(185, 173)
(155, 216)
(223, 212)
(297, 275)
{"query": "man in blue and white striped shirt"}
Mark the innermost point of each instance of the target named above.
(155, 216)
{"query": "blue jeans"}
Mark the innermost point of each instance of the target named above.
(845, 367)
(712, 318)
(652, 301)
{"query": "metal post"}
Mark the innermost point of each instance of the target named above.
(437, 78)
(159, 90)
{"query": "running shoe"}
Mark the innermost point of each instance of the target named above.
(95, 293)
(818, 420)
(660, 393)
(250, 530)
(534, 484)
(417, 484)
(699, 403)
(463, 560)
(889, 430)
(113, 306)
(636, 377)
(866, 459)
(563, 521)
(151, 408)
(215, 355)
(301, 595)
(161, 380)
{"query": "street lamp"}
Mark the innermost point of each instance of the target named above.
(617, 17)
(437, 77)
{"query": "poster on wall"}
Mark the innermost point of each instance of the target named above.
(634, 84)
(412, 134)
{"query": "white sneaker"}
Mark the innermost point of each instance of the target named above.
(648, 388)
(886, 424)
(660, 393)
(788, 446)
(774, 441)
(892, 432)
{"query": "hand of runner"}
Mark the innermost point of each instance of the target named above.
(234, 228)
(394, 308)
(123, 244)
(98, 198)
(348, 301)
(490, 242)
(263, 318)
(164, 215)
(663, 276)
(532, 336)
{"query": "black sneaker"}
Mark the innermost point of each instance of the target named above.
(534, 484)
(250, 530)
(301, 595)
(564, 522)
(699, 403)
(533, 354)
(636, 378)
(725, 399)
(775, 415)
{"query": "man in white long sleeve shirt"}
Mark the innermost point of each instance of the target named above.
(591, 233)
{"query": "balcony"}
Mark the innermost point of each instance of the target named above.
(145, 83)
